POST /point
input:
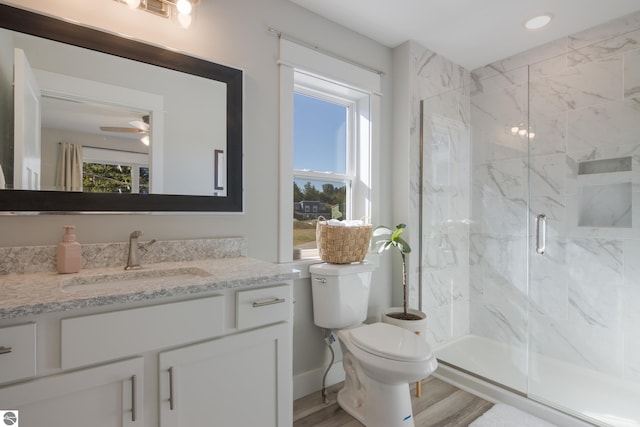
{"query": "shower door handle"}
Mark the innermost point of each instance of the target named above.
(541, 233)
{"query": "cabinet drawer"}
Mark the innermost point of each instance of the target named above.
(256, 307)
(17, 352)
(101, 337)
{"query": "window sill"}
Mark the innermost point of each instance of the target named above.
(302, 265)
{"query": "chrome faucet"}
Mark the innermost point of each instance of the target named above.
(133, 261)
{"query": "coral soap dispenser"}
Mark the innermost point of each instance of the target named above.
(68, 255)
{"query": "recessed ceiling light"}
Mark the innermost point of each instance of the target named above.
(537, 22)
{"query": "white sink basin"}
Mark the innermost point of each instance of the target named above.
(131, 278)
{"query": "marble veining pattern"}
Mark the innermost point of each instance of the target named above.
(604, 129)
(579, 301)
(583, 106)
(603, 48)
(444, 87)
(632, 77)
(579, 87)
(605, 31)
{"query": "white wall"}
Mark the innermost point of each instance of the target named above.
(232, 32)
(235, 33)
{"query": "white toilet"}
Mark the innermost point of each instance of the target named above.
(380, 360)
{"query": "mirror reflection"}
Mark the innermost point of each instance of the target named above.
(115, 160)
(189, 108)
(111, 114)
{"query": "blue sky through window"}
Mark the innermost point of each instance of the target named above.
(319, 134)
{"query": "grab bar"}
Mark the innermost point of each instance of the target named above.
(541, 233)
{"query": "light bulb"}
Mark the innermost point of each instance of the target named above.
(532, 135)
(522, 132)
(133, 4)
(514, 130)
(184, 7)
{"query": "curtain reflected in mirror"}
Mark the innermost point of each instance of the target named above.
(69, 176)
(163, 127)
(178, 119)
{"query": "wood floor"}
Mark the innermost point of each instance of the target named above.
(441, 405)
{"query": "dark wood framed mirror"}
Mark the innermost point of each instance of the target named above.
(17, 201)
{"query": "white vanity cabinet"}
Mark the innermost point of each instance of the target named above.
(105, 396)
(238, 380)
(218, 359)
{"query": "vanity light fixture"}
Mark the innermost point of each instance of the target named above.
(184, 7)
(181, 11)
(538, 21)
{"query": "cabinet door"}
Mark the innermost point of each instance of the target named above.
(238, 380)
(103, 396)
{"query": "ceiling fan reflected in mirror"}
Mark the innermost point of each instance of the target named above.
(137, 126)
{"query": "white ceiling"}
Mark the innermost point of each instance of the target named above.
(471, 33)
(86, 117)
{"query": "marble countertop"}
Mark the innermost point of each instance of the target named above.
(46, 292)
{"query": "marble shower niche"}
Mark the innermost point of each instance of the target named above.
(605, 193)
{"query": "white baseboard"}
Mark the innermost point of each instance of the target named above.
(311, 381)
(496, 394)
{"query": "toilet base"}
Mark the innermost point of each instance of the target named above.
(373, 403)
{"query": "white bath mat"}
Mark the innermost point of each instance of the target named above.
(502, 415)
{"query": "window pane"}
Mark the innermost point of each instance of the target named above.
(319, 135)
(103, 178)
(144, 180)
(312, 199)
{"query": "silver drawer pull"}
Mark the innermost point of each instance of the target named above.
(268, 302)
(5, 350)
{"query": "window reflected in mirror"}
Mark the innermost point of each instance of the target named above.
(193, 127)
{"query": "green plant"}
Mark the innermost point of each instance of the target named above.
(395, 241)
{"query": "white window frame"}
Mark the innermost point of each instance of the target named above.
(351, 173)
(107, 156)
(302, 67)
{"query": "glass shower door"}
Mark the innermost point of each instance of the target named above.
(498, 252)
(475, 265)
(534, 283)
(584, 158)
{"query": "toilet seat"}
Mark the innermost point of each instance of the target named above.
(390, 342)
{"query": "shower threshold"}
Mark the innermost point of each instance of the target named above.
(497, 370)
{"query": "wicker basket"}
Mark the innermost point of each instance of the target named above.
(342, 245)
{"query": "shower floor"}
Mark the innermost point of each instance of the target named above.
(569, 388)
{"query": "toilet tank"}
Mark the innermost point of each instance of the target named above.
(340, 294)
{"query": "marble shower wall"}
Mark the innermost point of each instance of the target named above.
(444, 87)
(582, 100)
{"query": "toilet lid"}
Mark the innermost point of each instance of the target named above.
(391, 342)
